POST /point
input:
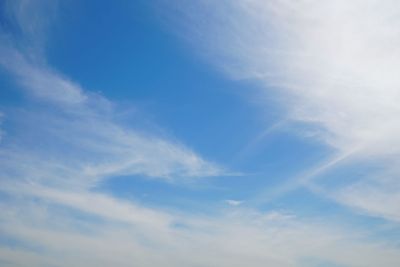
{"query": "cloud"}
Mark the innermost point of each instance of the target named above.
(377, 201)
(87, 142)
(46, 235)
(80, 140)
(29, 21)
(94, 203)
(233, 202)
(334, 62)
(377, 194)
(331, 64)
(39, 80)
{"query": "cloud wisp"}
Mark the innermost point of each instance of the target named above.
(79, 135)
(332, 64)
(97, 145)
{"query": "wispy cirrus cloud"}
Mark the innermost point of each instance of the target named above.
(334, 62)
(81, 127)
(51, 217)
(81, 121)
(331, 64)
(63, 142)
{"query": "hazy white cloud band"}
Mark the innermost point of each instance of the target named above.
(332, 64)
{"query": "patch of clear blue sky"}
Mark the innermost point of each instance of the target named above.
(9, 96)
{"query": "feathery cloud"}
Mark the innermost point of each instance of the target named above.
(332, 64)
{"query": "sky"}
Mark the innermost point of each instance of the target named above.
(200, 133)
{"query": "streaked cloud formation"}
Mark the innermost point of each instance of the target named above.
(66, 140)
(332, 64)
(98, 145)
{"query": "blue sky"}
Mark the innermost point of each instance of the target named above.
(199, 133)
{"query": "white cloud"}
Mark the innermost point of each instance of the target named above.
(233, 202)
(80, 140)
(39, 80)
(380, 202)
(335, 61)
(46, 235)
(30, 20)
(93, 203)
(333, 64)
(86, 140)
(378, 194)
